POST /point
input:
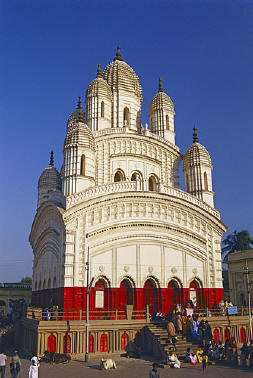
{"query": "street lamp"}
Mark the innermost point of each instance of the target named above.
(246, 272)
(89, 285)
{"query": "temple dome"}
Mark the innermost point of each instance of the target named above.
(99, 86)
(161, 101)
(196, 155)
(50, 178)
(119, 75)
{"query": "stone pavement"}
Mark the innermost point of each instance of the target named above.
(128, 368)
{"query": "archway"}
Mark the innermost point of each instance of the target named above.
(126, 116)
(124, 340)
(242, 334)
(119, 176)
(226, 334)
(91, 343)
(153, 183)
(100, 288)
(103, 343)
(51, 342)
(174, 293)
(151, 296)
(196, 293)
(66, 344)
(137, 177)
(216, 336)
(126, 296)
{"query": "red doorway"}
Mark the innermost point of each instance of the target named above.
(51, 342)
(151, 296)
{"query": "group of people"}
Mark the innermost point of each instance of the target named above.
(15, 364)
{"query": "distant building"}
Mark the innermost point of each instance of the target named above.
(150, 243)
(237, 262)
(10, 292)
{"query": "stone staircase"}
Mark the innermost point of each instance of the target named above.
(160, 337)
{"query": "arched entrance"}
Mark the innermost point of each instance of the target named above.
(51, 342)
(174, 293)
(216, 335)
(196, 293)
(126, 293)
(66, 343)
(242, 334)
(103, 343)
(151, 296)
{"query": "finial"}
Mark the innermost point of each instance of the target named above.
(51, 162)
(80, 108)
(160, 88)
(118, 55)
(99, 73)
(195, 135)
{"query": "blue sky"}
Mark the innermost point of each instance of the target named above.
(203, 50)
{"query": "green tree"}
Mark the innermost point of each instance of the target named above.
(235, 242)
(26, 280)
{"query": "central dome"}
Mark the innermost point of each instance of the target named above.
(119, 75)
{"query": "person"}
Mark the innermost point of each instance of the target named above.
(208, 333)
(184, 321)
(189, 328)
(193, 358)
(199, 355)
(195, 330)
(173, 361)
(171, 330)
(201, 331)
(15, 365)
(34, 368)
(3, 359)
(154, 373)
(204, 361)
(251, 354)
(187, 355)
(244, 353)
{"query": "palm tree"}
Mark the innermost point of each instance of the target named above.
(235, 242)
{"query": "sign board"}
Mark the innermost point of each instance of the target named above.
(232, 310)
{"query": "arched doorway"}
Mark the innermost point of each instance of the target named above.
(216, 335)
(151, 296)
(66, 343)
(103, 343)
(196, 294)
(119, 176)
(242, 334)
(51, 342)
(124, 340)
(126, 293)
(174, 293)
(100, 295)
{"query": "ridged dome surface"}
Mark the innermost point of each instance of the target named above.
(79, 133)
(195, 155)
(99, 87)
(50, 178)
(119, 75)
(161, 101)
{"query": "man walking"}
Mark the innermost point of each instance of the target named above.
(154, 373)
(3, 359)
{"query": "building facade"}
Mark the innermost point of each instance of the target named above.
(117, 206)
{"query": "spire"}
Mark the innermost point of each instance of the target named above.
(99, 73)
(51, 162)
(160, 88)
(195, 135)
(118, 55)
(80, 108)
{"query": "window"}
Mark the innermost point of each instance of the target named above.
(126, 116)
(119, 176)
(99, 300)
(152, 184)
(167, 122)
(102, 109)
(205, 181)
(82, 168)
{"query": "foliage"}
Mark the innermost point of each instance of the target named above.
(235, 242)
(26, 280)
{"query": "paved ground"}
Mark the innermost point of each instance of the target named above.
(128, 368)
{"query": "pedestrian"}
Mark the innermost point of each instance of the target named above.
(244, 353)
(171, 330)
(34, 368)
(3, 359)
(15, 365)
(204, 361)
(154, 373)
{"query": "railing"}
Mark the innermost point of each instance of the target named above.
(206, 312)
(65, 315)
(128, 186)
(18, 285)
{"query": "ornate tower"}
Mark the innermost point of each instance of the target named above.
(78, 169)
(197, 169)
(98, 101)
(126, 93)
(50, 186)
(161, 115)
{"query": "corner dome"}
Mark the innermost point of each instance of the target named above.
(50, 178)
(99, 86)
(196, 154)
(119, 75)
(161, 101)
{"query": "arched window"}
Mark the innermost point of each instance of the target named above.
(167, 122)
(102, 109)
(205, 181)
(242, 334)
(196, 293)
(124, 340)
(174, 293)
(66, 344)
(103, 343)
(187, 182)
(151, 296)
(51, 341)
(82, 168)
(91, 343)
(126, 293)
(100, 294)
(126, 116)
(152, 184)
(216, 336)
(137, 176)
(119, 176)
